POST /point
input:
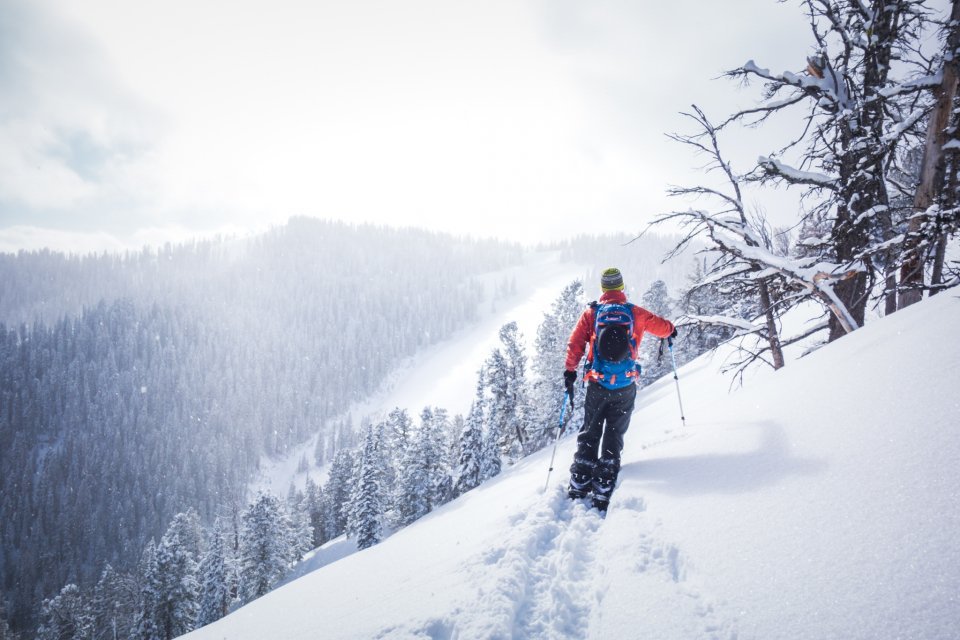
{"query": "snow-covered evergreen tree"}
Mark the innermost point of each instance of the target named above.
(313, 497)
(337, 492)
(301, 529)
(114, 605)
(497, 410)
(701, 300)
(365, 523)
(518, 395)
(264, 546)
(508, 411)
(470, 460)
(396, 437)
(146, 626)
(215, 577)
(657, 300)
(397, 429)
(438, 463)
(66, 616)
(178, 589)
(413, 481)
(547, 365)
(491, 462)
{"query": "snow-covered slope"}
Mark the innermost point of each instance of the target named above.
(445, 374)
(821, 501)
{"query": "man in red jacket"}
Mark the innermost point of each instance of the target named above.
(610, 332)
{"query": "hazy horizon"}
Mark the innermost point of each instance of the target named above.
(130, 124)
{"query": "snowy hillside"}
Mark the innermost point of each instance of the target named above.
(820, 501)
(444, 374)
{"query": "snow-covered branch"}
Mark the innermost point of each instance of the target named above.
(919, 84)
(741, 325)
(774, 167)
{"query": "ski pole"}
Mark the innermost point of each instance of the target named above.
(673, 358)
(563, 408)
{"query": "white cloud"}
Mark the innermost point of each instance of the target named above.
(527, 120)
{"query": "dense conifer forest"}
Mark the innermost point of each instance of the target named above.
(137, 387)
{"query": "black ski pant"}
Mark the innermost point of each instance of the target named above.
(606, 417)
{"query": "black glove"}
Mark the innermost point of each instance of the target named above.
(569, 377)
(669, 342)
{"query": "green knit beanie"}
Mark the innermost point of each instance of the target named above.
(611, 280)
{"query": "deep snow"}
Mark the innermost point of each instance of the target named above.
(819, 501)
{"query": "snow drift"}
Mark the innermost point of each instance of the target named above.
(820, 501)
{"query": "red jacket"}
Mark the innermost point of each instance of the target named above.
(643, 321)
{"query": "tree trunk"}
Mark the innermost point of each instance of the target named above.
(889, 269)
(772, 336)
(932, 167)
(852, 292)
(890, 299)
(938, 257)
(950, 200)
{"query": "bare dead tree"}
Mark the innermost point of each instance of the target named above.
(935, 201)
(859, 114)
(746, 257)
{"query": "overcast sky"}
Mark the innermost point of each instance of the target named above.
(132, 121)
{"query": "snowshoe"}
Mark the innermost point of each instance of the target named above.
(581, 478)
(604, 481)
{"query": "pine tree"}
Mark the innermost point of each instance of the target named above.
(366, 501)
(655, 299)
(548, 364)
(517, 400)
(507, 405)
(147, 627)
(337, 492)
(701, 300)
(314, 505)
(438, 464)
(264, 546)
(397, 432)
(114, 605)
(413, 491)
(397, 429)
(215, 579)
(301, 529)
(470, 460)
(66, 616)
(178, 590)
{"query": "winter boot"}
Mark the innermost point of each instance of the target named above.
(604, 480)
(581, 477)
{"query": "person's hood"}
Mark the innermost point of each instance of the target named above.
(613, 296)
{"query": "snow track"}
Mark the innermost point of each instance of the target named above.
(559, 571)
(560, 600)
(544, 574)
(675, 600)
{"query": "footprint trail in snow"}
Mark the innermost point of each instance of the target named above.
(559, 564)
(544, 573)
